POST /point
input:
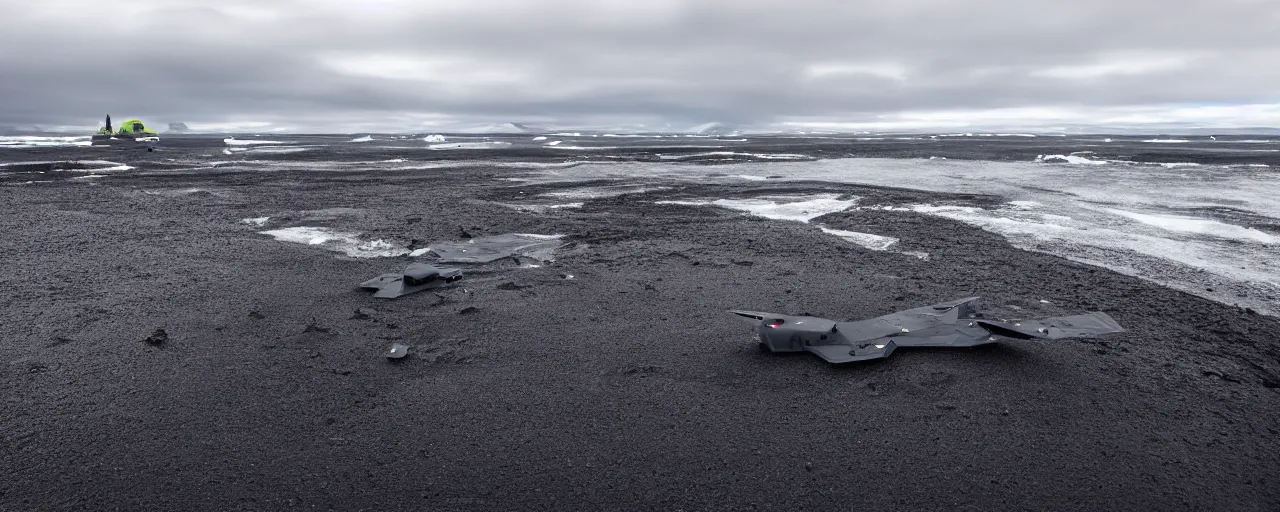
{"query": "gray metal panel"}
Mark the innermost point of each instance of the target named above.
(947, 324)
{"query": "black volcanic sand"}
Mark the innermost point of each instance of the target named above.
(627, 386)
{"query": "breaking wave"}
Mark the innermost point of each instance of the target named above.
(33, 141)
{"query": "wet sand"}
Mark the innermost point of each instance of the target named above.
(627, 386)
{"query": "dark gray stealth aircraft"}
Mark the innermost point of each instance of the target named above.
(415, 278)
(949, 324)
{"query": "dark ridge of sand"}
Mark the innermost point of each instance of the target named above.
(625, 387)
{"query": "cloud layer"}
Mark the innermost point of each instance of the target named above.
(428, 64)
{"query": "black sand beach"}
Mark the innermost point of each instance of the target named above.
(626, 386)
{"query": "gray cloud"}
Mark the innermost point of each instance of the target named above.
(396, 64)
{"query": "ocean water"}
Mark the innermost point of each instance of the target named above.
(1197, 214)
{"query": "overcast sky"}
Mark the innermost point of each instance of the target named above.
(357, 65)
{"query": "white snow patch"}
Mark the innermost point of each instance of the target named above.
(794, 208)
(1198, 226)
(870, 241)
(750, 177)
(346, 243)
(419, 252)
(600, 192)
(256, 221)
(553, 143)
(366, 138)
(539, 237)
(540, 137)
(90, 176)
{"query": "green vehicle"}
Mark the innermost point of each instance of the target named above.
(131, 133)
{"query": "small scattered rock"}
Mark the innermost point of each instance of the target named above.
(340, 371)
(362, 314)
(398, 351)
(158, 337)
(58, 341)
(511, 285)
(744, 263)
(1222, 375)
(256, 315)
(469, 310)
(312, 327)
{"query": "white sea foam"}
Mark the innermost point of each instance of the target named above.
(553, 143)
(469, 145)
(280, 150)
(89, 177)
(256, 221)
(366, 138)
(1178, 164)
(552, 146)
(248, 142)
(346, 243)
(1199, 226)
(540, 137)
(116, 168)
(762, 156)
(434, 138)
(870, 241)
(31, 141)
(1166, 141)
(751, 177)
(1070, 159)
